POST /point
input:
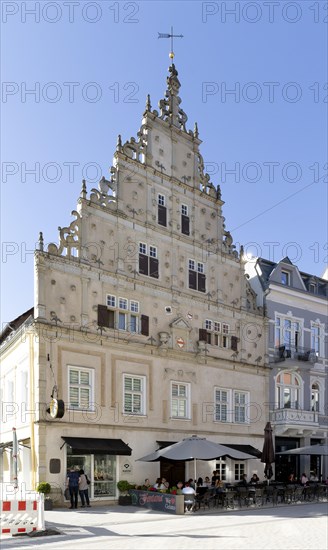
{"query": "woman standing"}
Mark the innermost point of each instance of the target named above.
(83, 489)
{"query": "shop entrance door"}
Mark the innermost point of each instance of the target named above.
(173, 471)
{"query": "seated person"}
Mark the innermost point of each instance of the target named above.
(159, 485)
(219, 485)
(147, 484)
(207, 482)
(188, 491)
(304, 479)
(313, 476)
(243, 481)
(179, 487)
(254, 479)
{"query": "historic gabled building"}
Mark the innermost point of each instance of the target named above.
(296, 304)
(144, 324)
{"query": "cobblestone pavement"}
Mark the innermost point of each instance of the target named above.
(299, 527)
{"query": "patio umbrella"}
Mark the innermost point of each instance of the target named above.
(195, 448)
(268, 451)
(309, 450)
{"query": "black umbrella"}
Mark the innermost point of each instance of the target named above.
(268, 451)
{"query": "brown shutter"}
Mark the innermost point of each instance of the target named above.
(162, 215)
(192, 279)
(185, 224)
(201, 282)
(203, 335)
(145, 325)
(153, 267)
(143, 264)
(234, 343)
(102, 316)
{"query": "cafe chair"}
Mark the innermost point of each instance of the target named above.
(189, 503)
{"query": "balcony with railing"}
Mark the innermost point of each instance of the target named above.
(287, 352)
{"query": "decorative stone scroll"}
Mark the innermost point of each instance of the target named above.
(69, 239)
(102, 195)
(136, 150)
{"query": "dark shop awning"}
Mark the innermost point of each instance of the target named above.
(163, 444)
(246, 449)
(92, 445)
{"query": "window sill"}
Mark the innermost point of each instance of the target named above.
(180, 418)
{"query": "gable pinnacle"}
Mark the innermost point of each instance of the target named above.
(83, 193)
(148, 105)
(196, 134)
(119, 143)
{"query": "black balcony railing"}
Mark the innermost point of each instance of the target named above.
(297, 353)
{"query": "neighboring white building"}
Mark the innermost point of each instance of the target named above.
(144, 324)
(296, 304)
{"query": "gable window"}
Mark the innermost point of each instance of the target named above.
(161, 210)
(134, 394)
(240, 406)
(288, 390)
(148, 262)
(185, 220)
(180, 400)
(80, 388)
(285, 278)
(197, 277)
(123, 315)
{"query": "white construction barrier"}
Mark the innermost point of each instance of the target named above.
(22, 516)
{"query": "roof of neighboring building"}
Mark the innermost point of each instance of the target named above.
(14, 325)
(267, 267)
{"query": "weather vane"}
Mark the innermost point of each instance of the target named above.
(166, 35)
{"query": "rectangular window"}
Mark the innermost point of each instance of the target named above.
(80, 388)
(217, 326)
(240, 404)
(111, 300)
(148, 265)
(162, 212)
(221, 398)
(285, 276)
(197, 277)
(180, 400)
(134, 323)
(122, 303)
(185, 221)
(288, 333)
(312, 288)
(316, 337)
(122, 321)
(239, 471)
(134, 394)
(208, 324)
(134, 306)
(221, 467)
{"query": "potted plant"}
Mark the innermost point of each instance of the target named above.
(45, 488)
(123, 486)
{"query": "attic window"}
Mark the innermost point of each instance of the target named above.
(285, 278)
(312, 288)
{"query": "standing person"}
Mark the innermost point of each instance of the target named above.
(72, 482)
(83, 489)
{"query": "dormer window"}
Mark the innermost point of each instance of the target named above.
(161, 210)
(185, 221)
(312, 288)
(285, 278)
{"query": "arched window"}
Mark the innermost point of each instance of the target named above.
(288, 388)
(315, 397)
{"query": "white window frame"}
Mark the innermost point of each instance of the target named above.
(284, 336)
(123, 304)
(186, 399)
(184, 210)
(294, 391)
(90, 386)
(134, 306)
(222, 468)
(110, 298)
(239, 471)
(161, 199)
(152, 251)
(317, 340)
(191, 265)
(219, 417)
(200, 267)
(141, 393)
(208, 324)
(143, 248)
(245, 406)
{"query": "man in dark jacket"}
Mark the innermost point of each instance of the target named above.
(72, 483)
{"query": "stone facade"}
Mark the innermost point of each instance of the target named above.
(144, 323)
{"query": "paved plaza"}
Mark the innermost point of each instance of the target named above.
(299, 527)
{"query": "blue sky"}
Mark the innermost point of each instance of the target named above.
(92, 65)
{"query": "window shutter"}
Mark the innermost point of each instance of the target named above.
(203, 335)
(153, 267)
(145, 325)
(201, 282)
(103, 317)
(143, 264)
(208, 337)
(162, 215)
(185, 229)
(192, 279)
(234, 343)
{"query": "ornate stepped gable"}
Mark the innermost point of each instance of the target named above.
(137, 150)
